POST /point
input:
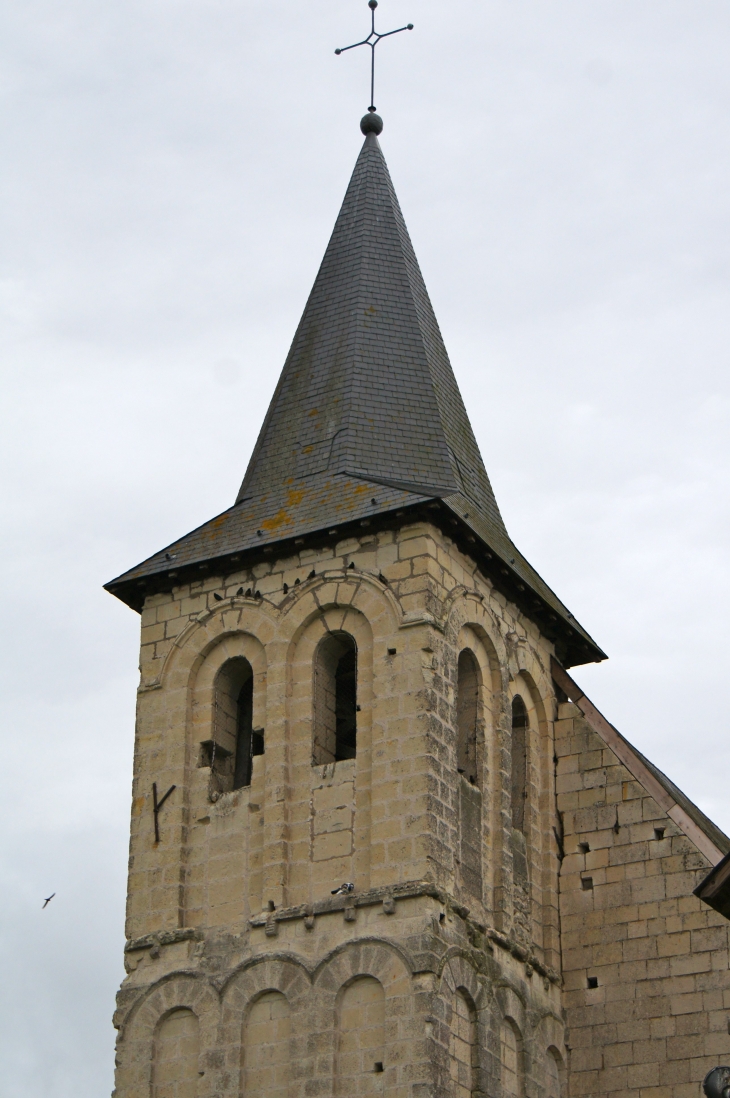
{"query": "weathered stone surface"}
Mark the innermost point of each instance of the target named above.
(235, 900)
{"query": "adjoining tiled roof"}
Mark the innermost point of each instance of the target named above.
(713, 832)
(698, 827)
(367, 417)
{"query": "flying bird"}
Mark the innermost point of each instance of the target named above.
(344, 889)
(47, 901)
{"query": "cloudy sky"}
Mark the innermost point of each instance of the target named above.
(172, 172)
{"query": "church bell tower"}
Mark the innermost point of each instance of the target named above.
(344, 860)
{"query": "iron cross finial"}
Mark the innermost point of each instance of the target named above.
(372, 40)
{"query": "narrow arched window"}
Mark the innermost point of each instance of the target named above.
(555, 1074)
(462, 1046)
(467, 702)
(520, 725)
(235, 741)
(361, 1053)
(512, 1060)
(335, 699)
(265, 1047)
(175, 1059)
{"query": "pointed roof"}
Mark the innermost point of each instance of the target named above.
(367, 418)
(367, 390)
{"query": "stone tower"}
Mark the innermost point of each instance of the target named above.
(349, 855)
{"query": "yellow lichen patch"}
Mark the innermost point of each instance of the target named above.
(295, 496)
(281, 518)
(314, 412)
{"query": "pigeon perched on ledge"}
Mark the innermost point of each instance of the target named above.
(344, 889)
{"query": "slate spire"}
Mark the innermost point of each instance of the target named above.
(367, 391)
(366, 419)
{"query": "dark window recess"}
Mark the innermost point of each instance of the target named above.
(587, 883)
(520, 726)
(658, 833)
(592, 982)
(335, 700)
(235, 741)
(584, 848)
(467, 711)
(249, 741)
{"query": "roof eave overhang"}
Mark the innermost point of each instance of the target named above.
(573, 645)
(714, 889)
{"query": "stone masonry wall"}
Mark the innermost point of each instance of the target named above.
(232, 907)
(275, 1013)
(657, 1017)
(412, 602)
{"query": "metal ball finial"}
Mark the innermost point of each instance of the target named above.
(373, 4)
(371, 123)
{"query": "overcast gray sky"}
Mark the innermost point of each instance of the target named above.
(172, 172)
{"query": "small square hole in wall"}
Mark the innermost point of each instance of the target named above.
(584, 848)
(592, 982)
(378, 1066)
(658, 833)
(586, 883)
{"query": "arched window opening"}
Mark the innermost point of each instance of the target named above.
(512, 1060)
(175, 1060)
(520, 726)
(361, 1047)
(235, 741)
(467, 708)
(266, 1037)
(335, 699)
(462, 1046)
(555, 1073)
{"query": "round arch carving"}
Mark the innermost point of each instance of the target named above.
(511, 1004)
(243, 990)
(365, 957)
(457, 972)
(341, 589)
(175, 992)
(202, 634)
(256, 977)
